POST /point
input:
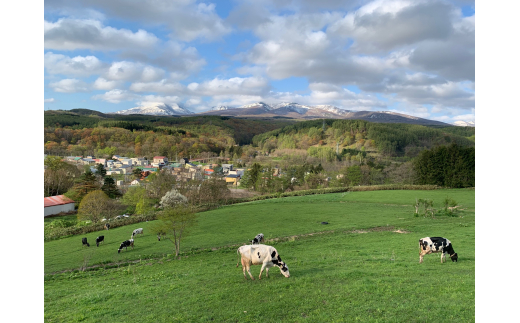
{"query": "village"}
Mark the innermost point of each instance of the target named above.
(122, 169)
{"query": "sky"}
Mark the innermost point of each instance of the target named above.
(414, 57)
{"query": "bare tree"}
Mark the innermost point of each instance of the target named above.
(173, 224)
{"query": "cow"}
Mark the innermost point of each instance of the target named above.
(107, 226)
(137, 231)
(158, 237)
(436, 244)
(259, 238)
(126, 244)
(84, 241)
(99, 239)
(260, 254)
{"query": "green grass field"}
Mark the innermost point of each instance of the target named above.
(358, 268)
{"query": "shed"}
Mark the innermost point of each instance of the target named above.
(57, 204)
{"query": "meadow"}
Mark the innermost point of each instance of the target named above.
(362, 266)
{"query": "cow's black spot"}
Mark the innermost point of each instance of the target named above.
(284, 268)
(275, 261)
(279, 259)
(273, 254)
(258, 255)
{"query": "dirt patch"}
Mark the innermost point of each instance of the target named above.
(401, 231)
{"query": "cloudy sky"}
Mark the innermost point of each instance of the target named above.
(415, 57)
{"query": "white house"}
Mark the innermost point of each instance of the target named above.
(57, 204)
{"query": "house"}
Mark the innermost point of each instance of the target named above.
(233, 179)
(116, 157)
(136, 182)
(160, 159)
(114, 172)
(227, 167)
(126, 169)
(126, 161)
(57, 204)
(184, 161)
(190, 165)
(120, 183)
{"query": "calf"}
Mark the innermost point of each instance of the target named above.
(84, 241)
(436, 244)
(99, 239)
(266, 256)
(137, 231)
(107, 226)
(259, 238)
(126, 244)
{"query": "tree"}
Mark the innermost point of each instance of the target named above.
(173, 224)
(161, 182)
(172, 199)
(137, 173)
(101, 171)
(137, 200)
(58, 176)
(110, 188)
(86, 184)
(96, 205)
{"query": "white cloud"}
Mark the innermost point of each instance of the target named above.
(116, 96)
(103, 84)
(163, 86)
(75, 66)
(71, 34)
(232, 86)
(130, 71)
(70, 86)
(50, 100)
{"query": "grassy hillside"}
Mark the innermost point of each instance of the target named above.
(357, 268)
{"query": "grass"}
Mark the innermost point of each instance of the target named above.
(337, 276)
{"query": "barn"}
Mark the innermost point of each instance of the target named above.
(57, 204)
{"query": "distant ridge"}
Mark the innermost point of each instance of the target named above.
(157, 109)
(299, 111)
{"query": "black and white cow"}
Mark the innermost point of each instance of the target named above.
(84, 241)
(436, 244)
(107, 226)
(126, 244)
(99, 239)
(260, 254)
(137, 231)
(259, 238)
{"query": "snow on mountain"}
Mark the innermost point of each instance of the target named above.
(464, 123)
(220, 108)
(256, 105)
(157, 109)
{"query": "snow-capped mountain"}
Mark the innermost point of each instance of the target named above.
(464, 123)
(300, 111)
(220, 108)
(157, 109)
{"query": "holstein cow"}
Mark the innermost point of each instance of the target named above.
(260, 254)
(126, 244)
(137, 231)
(259, 238)
(107, 226)
(84, 241)
(436, 244)
(99, 239)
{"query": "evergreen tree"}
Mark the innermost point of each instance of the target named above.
(101, 171)
(110, 188)
(86, 184)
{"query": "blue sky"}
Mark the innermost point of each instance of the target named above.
(414, 57)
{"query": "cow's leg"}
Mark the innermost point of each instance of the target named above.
(249, 272)
(266, 271)
(443, 257)
(261, 270)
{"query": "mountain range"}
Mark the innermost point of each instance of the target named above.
(289, 110)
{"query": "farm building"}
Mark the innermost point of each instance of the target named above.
(57, 204)
(232, 179)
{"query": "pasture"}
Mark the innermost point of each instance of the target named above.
(355, 268)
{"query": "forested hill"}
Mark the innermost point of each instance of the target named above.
(241, 130)
(390, 139)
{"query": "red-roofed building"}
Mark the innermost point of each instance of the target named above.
(57, 204)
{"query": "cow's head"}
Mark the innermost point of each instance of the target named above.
(454, 257)
(284, 269)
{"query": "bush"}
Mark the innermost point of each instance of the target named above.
(61, 223)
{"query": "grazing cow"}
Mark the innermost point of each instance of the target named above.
(436, 244)
(137, 231)
(99, 239)
(126, 244)
(159, 237)
(259, 238)
(107, 226)
(260, 254)
(84, 241)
